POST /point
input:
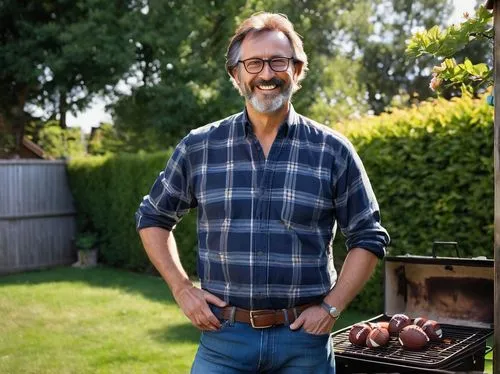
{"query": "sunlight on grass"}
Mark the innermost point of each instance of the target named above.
(92, 321)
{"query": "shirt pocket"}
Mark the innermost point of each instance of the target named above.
(307, 205)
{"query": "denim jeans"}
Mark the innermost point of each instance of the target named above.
(239, 348)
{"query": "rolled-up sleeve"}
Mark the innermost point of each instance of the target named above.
(356, 208)
(170, 197)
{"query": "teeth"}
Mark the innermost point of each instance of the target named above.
(268, 87)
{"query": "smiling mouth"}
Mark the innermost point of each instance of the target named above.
(267, 87)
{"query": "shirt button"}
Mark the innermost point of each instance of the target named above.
(260, 253)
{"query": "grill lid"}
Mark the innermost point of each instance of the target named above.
(450, 290)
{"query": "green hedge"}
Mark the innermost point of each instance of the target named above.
(107, 192)
(432, 170)
(431, 167)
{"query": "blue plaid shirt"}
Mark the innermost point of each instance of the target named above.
(265, 226)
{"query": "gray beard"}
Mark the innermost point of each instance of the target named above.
(269, 105)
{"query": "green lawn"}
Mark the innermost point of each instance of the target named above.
(92, 321)
(100, 320)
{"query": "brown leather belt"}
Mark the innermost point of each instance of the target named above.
(261, 319)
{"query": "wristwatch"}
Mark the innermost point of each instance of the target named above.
(332, 311)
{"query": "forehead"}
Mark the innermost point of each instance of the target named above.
(265, 44)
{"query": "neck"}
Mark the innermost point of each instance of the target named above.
(266, 123)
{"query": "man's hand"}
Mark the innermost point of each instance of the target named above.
(194, 304)
(314, 320)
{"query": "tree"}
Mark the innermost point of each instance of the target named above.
(342, 96)
(372, 35)
(180, 81)
(105, 139)
(57, 54)
(386, 71)
(191, 87)
(57, 142)
(356, 55)
(473, 75)
(332, 29)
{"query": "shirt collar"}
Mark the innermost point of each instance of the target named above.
(291, 120)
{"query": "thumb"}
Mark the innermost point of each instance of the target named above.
(297, 323)
(212, 299)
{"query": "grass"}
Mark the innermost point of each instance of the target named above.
(92, 321)
(100, 320)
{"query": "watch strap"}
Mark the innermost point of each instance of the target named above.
(328, 308)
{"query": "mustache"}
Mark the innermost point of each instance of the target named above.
(273, 81)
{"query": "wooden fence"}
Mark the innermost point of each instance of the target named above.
(37, 216)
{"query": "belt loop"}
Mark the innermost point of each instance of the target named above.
(285, 313)
(231, 316)
(295, 313)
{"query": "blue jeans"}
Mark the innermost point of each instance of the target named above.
(239, 348)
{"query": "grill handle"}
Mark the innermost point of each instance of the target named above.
(438, 243)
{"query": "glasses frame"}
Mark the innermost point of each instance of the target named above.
(268, 60)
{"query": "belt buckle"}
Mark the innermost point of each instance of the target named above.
(256, 313)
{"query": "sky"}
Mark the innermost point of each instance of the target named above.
(96, 114)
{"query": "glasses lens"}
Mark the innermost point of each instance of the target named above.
(279, 64)
(254, 66)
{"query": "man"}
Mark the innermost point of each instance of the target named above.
(270, 186)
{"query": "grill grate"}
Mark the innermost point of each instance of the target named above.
(457, 342)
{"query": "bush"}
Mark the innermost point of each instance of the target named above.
(107, 192)
(86, 241)
(431, 168)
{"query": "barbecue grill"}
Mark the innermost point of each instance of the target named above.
(456, 292)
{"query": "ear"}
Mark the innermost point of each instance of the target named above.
(297, 69)
(234, 74)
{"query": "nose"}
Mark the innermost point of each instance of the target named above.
(266, 73)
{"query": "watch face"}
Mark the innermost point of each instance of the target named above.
(334, 312)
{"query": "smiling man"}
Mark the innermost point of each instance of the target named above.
(270, 186)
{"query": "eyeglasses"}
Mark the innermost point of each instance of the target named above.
(256, 65)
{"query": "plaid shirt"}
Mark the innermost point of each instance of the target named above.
(265, 226)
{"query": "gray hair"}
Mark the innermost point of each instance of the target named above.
(260, 22)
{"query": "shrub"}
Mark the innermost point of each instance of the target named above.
(86, 241)
(431, 168)
(107, 191)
